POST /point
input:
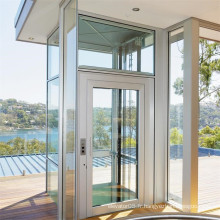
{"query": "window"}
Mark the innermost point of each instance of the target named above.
(209, 121)
(175, 156)
(105, 44)
(69, 110)
(52, 114)
(53, 119)
(53, 55)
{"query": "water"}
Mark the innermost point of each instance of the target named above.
(25, 134)
(30, 134)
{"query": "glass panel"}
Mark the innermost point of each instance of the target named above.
(176, 44)
(111, 45)
(52, 119)
(90, 61)
(115, 146)
(69, 111)
(53, 54)
(209, 122)
(129, 139)
(52, 181)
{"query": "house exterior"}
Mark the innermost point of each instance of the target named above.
(109, 85)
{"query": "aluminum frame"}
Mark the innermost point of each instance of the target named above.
(149, 134)
(125, 24)
(48, 80)
(62, 158)
(190, 111)
(161, 97)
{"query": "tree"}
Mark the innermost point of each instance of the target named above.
(175, 137)
(18, 145)
(209, 63)
(210, 138)
(5, 149)
(130, 142)
(206, 130)
(101, 137)
(131, 120)
(21, 146)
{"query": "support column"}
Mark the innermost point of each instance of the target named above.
(138, 44)
(190, 116)
(161, 93)
(115, 58)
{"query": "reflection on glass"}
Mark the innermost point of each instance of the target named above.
(111, 45)
(115, 146)
(52, 119)
(52, 181)
(107, 57)
(209, 125)
(53, 54)
(176, 116)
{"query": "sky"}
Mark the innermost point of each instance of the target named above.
(22, 65)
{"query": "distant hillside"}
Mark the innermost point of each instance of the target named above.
(209, 115)
(20, 115)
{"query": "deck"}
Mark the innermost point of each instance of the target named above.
(24, 198)
(209, 181)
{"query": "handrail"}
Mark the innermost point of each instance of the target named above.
(172, 216)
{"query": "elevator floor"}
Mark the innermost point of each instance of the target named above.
(107, 194)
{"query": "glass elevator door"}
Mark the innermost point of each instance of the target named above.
(116, 136)
(114, 145)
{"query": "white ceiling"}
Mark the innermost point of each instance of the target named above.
(158, 13)
(42, 19)
(209, 34)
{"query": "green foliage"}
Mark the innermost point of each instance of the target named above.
(130, 142)
(53, 118)
(101, 137)
(131, 122)
(210, 138)
(206, 130)
(5, 149)
(21, 146)
(209, 63)
(176, 116)
(175, 137)
(178, 86)
(21, 115)
(102, 126)
(209, 115)
(70, 142)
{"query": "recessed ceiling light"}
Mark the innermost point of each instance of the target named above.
(31, 38)
(135, 9)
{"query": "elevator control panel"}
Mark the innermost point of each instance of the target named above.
(83, 146)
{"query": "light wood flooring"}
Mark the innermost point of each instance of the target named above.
(24, 197)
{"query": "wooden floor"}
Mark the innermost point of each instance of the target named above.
(24, 197)
(208, 180)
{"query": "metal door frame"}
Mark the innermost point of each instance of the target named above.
(87, 81)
